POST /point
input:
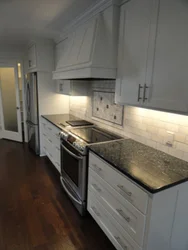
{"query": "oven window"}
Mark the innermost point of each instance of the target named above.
(71, 166)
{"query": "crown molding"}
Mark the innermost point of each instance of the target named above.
(89, 13)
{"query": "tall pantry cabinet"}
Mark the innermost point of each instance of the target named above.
(153, 55)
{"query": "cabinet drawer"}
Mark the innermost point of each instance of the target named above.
(56, 137)
(128, 190)
(120, 239)
(44, 125)
(130, 218)
(56, 157)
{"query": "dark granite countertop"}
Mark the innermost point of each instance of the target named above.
(60, 118)
(150, 168)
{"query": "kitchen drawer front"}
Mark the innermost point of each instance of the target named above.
(119, 182)
(56, 137)
(120, 239)
(130, 218)
(56, 157)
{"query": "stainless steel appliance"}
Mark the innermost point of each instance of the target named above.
(74, 154)
(31, 100)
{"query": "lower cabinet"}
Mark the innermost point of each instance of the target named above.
(51, 143)
(131, 217)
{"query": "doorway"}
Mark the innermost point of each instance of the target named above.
(11, 102)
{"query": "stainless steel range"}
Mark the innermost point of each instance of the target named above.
(74, 154)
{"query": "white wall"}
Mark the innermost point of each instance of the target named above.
(146, 126)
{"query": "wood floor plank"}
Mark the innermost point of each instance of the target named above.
(35, 213)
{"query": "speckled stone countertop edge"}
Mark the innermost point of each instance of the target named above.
(53, 123)
(148, 189)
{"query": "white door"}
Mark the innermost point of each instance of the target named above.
(10, 114)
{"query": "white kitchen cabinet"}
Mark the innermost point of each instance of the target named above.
(153, 55)
(51, 142)
(169, 79)
(32, 57)
(135, 19)
(40, 56)
(73, 87)
(162, 225)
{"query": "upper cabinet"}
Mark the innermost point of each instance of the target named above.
(90, 50)
(153, 55)
(135, 19)
(40, 56)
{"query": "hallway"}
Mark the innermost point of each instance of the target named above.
(35, 214)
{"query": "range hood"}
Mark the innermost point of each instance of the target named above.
(90, 51)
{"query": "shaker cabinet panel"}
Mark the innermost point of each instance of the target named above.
(134, 32)
(169, 80)
(153, 55)
(32, 57)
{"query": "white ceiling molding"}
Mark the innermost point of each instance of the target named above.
(89, 13)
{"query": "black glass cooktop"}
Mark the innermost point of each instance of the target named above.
(79, 123)
(94, 135)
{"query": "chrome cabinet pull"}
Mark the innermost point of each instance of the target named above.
(96, 188)
(95, 211)
(139, 88)
(50, 140)
(44, 135)
(57, 163)
(57, 148)
(50, 129)
(44, 147)
(120, 242)
(145, 88)
(97, 168)
(128, 219)
(124, 190)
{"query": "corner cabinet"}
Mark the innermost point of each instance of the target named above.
(153, 55)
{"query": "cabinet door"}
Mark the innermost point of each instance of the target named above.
(32, 58)
(135, 22)
(170, 73)
(64, 87)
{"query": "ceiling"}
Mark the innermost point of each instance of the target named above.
(21, 20)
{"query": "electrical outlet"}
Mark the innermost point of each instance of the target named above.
(169, 139)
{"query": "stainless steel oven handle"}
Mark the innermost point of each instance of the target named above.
(72, 154)
(68, 192)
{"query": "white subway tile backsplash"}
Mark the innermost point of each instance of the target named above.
(146, 126)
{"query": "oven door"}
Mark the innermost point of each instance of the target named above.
(73, 171)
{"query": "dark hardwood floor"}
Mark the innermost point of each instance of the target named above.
(35, 213)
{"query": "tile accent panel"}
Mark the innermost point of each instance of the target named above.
(149, 127)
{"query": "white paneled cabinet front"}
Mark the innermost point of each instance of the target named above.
(32, 57)
(133, 218)
(169, 79)
(135, 19)
(51, 143)
(153, 55)
(40, 56)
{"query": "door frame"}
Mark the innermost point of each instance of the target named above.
(15, 136)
